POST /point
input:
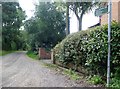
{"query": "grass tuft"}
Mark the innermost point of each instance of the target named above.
(32, 55)
(3, 52)
(72, 74)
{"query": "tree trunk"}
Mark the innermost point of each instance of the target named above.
(80, 22)
(67, 20)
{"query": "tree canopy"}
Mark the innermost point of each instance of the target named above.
(12, 17)
(47, 27)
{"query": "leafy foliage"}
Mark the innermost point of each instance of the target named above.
(47, 28)
(12, 17)
(115, 81)
(96, 79)
(72, 74)
(89, 49)
(79, 9)
(32, 55)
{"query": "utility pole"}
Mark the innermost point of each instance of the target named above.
(0, 13)
(1, 39)
(67, 19)
(109, 30)
(0, 19)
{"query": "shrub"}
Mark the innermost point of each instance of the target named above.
(89, 49)
(115, 83)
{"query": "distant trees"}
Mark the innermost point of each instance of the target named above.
(47, 27)
(12, 17)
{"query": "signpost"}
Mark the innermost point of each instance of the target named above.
(100, 12)
(109, 30)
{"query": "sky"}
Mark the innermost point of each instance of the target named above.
(88, 19)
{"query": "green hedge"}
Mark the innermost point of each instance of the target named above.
(89, 49)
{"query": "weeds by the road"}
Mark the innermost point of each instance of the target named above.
(32, 55)
(73, 75)
(2, 52)
(96, 79)
(51, 65)
(69, 72)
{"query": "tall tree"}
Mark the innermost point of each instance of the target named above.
(12, 17)
(79, 8)
(47, 28)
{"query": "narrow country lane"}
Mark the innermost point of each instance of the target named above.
(18, 70)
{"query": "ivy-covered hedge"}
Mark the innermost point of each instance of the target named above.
(89, 49)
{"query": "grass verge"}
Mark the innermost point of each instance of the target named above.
(32, 55)
(2, 52)
(69, 72)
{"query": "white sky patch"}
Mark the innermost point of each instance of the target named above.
(88, 19)
(28, 6)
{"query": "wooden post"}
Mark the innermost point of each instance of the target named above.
(39, 52)
(52, 56)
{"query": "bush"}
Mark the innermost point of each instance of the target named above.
(89, 49)
(115, 83)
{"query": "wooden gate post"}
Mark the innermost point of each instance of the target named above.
(52, 56)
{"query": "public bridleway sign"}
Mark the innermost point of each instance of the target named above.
(101, 11)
